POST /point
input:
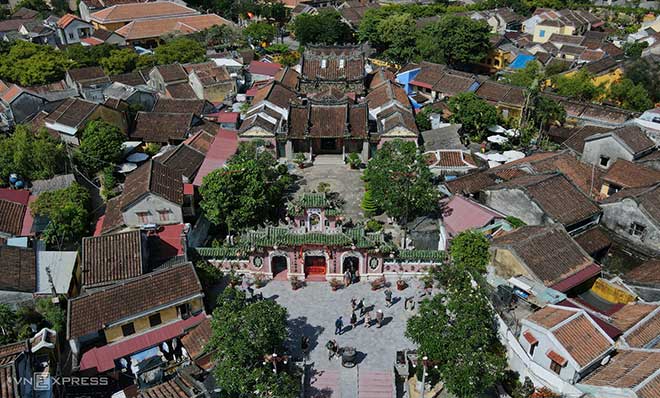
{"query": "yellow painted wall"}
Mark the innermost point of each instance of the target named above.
(498, 60)
(507, 265)
(141, 324)
(612, 293)
(548, 31)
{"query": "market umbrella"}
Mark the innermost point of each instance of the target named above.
(137, 157)
(126, 168)
(497, 139)
(513, 155)
(497, 157)
(496, 129)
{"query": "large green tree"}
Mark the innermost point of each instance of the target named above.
(630, 96)
(68, 213)
(474, 114)
(645, 72)
(470, 249)
(529, 76)
(456, 331)
(32, 156)
(400, 182)
(243, 335)
(578, 85)
(29, 64)
(326, 27)
(100, 146)
(119, 61)
(88, 55)
(247, 192)
(180, 49)
(398, 34)
(260, 32)
(455, 40)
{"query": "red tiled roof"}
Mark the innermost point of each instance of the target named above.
(153, 177)
(111, 258)
(11, 217)
(146, 29)
(582, 275)
(626, 174)
(556, 358)
(135, 11)
(102, 359)
(646, 334)
(530, 338)
(264, 68)
(550, 316)
(90, 312)
(648, 272)
(19, 269)
(66, 20)
(223, 147)
(549, 253)
(630, 314)
(627, 369)
(325, 63)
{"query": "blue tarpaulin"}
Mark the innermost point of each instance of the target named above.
(521, 61)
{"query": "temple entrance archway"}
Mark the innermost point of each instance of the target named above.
(315, 265)
(279, 265)
(351, 262)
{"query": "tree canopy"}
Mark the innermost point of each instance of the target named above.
(397, 34)
(119, 61)
(456, 331)
(578, 85)
(528, 77)
(470, 249)
(29, 64)
(100, 146)
(400, 182)
(645, 72)
(68, 213)
(473, 113)
(180, 49)
(15, 325)
(243, 335)
(31, 156)
(326, 27)
(630, 96)
(246, 192)
(260, 32)
(455, 40)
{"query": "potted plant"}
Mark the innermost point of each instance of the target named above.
(295, 283)
(260, 281)
(335, 284)
(353, 160)
(427, 280)
(401, 284)
(234, 278)
(299, 159)
(378, 283)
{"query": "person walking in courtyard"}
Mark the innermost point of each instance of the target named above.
(379, 318)
(347, 278)
(331, 345)
(353, 304)
(360, 305)
(339, 326)
(353, 320)
(367, 319)
(304, 347)
(388, 297)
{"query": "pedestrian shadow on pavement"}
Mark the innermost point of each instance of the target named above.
(312, 376)
(387, 320)
(299, 327)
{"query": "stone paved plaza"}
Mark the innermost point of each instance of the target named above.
(313, 311)
(341, 178)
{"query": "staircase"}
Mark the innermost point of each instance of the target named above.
(323, 384)
(375, 384)
(328, 159)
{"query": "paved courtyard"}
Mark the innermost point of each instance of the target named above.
(313, 311)
(341, 178)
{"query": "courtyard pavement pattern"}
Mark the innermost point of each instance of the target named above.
(341, 178)
(313, 311)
